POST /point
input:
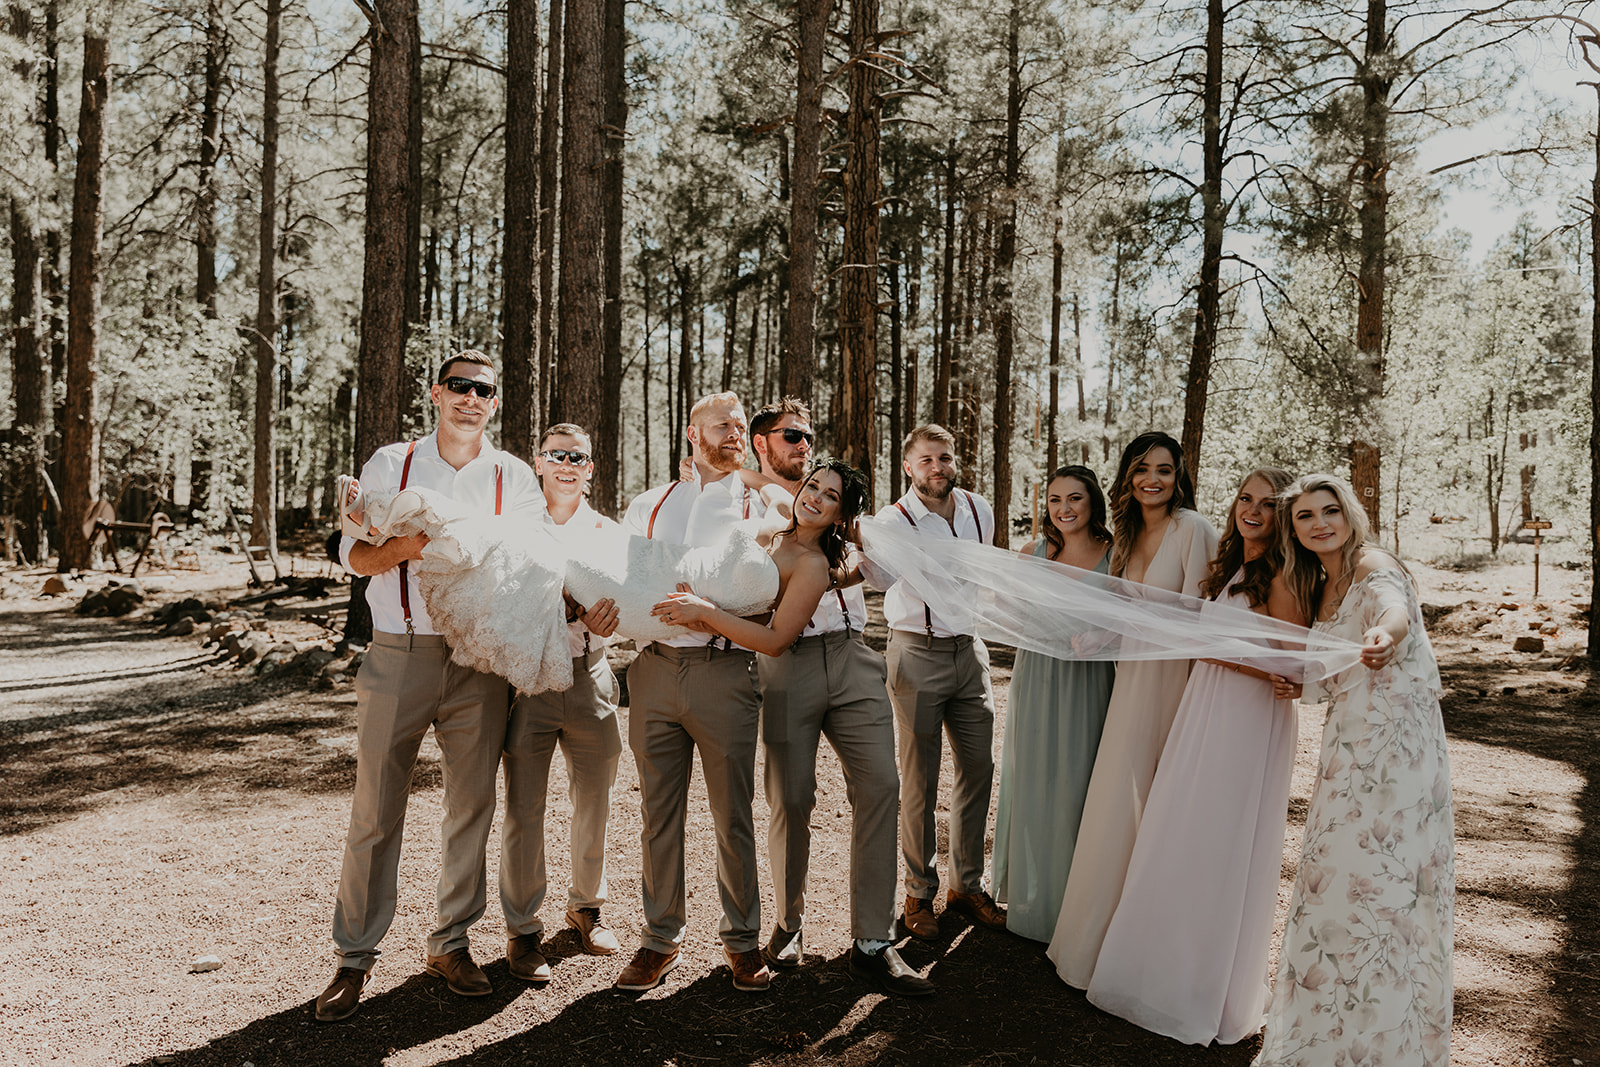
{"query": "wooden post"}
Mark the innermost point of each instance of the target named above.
(1538, 526)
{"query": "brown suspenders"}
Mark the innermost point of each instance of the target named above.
(927, 613)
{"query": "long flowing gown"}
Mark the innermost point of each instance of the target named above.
(1365, 974)
(1186, 953)
(1143, 703)
(1054, 716)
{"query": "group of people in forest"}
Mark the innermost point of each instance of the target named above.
(1142, 803)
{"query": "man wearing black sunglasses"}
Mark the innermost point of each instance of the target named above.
(781, 433)
(829, 684)
(407, 683)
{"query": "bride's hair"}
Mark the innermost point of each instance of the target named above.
(852, 497)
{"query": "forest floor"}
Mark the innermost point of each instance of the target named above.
(159, 804)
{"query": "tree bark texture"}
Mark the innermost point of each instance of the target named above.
(1004, 311)
(582, 149)
(1208, 298)
(81, 432)
(945, 355)
(1594, 395)
(264, 511)
(549, 185)
(519, 367)
(1376, 80)
(382, 388)
(1057, 254)
(855, 423)
(216, 45)
(608, 446)
(799, 353)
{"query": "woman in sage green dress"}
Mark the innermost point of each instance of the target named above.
(1054, 716)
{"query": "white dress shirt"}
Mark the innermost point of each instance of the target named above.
(693, 513)
(974, 520)
(473, 485)
(586, 519)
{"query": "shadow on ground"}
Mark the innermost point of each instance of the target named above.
(818, 1014)
(1564, 727)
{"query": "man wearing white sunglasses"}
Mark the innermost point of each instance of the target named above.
(407, 683)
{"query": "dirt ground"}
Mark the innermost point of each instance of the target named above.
(159, 804)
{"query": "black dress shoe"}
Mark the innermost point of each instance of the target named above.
(889, 973)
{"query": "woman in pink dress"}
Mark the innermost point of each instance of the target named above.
(1161, 541)
(1186, 952)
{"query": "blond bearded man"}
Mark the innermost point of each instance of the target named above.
(829, 684)
(697, 691)
(939, 682)
(407, 683)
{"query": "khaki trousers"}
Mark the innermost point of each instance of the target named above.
(831, 685)
(942, 683)
(583, 721)
(680, 699)
(405, 685)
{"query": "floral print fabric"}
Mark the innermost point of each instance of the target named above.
(1364, 977)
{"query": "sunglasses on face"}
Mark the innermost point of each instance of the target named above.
(793, 436)
(463, 386)
(561, 455)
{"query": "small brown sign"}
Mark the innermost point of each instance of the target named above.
(1536, 524)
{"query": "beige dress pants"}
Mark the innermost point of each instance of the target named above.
(583, 721)
(942, 683)
(831, 685)
(681, 699)
(405, 685)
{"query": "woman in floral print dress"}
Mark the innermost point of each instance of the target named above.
(1364, 976)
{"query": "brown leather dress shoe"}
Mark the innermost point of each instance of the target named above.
(597, 939)
(646, 969)
(919, 920)
(750, 972)
(525, 960)
(980, 906)
(464, 977)
(888, 972)
(339, 1000)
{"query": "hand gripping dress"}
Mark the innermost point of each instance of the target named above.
(1054, 716)
(1365, 972)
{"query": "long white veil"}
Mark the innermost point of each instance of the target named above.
(1069, 613)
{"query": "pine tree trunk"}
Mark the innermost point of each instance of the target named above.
(608, 447)
(210, 141)
(1057, 254)
(582, 276)
(1594, 396)
(855, 424)
(549, 188)
(944, 358)
(519, 376)
(382, 387)
(1372, 175)
(81, 432)
(264, 518)
(1208, 299)
(799, 354)
(28, 378)
(1005, 259)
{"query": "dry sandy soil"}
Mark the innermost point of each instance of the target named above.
(160, 805)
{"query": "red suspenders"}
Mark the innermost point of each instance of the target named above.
(405, 569)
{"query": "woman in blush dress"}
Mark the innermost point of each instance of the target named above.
(1054, 715)
(1186, 952)
(1163, 542)
(1364, 975)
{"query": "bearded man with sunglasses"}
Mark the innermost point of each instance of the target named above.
(408, 683)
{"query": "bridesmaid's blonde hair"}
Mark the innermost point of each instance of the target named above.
(1302, 570)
